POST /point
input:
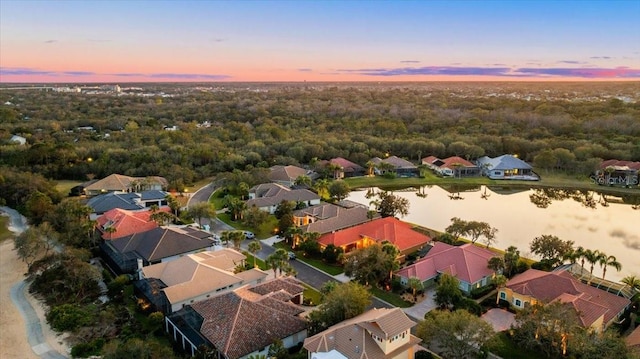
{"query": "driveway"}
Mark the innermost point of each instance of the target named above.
(418, 310)
(500, 319)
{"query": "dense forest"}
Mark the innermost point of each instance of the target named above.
(562, 127)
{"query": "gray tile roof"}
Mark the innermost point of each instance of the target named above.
(504, 162)
(160, 242)
(106, 202)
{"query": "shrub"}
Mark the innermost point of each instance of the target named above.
(479, 292)
(470, 306)
(423, 354)
(68, 317)
(85, 350)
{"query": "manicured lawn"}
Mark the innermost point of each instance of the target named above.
(389, 297)
(4, 231)
(548, 180)
(312, 294)
(506, 348)
(327, 268)
(64, 186)
(265, 231)
(259, 261)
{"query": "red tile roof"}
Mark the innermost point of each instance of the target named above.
(429, 160)
(346, 165)
(238, 324)
(449, 162)
(126, 222)
(618, 163)
(388, 229)
(467, 263)
(590, 303)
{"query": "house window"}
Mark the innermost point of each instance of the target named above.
(518, 303)
(503, 295)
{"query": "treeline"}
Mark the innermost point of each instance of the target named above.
(298, 125)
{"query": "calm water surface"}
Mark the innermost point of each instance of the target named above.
(601, 222)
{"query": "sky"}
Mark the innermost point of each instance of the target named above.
(174, 41)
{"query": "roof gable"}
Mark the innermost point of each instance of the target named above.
(159, 243)
(383, 229)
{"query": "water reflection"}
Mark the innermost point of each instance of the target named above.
(596, 220)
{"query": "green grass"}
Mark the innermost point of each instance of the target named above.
(265, 231)
(327, 268)
(5, 233)
(64, 186)
(312, 294)
(389, 297)
(259, 261)
(548, 180)
(506, 348)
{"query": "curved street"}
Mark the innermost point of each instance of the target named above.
(34, 329)
(306, 273)
(33, 324)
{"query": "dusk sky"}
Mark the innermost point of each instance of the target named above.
(173, 41)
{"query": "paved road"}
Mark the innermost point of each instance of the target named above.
(306, 273)
(34, 329)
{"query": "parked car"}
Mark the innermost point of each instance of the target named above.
(291, 255)
(249, 235)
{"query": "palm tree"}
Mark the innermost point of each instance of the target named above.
(370, 167)
(499, 281)
(225, 237)
(254, 247)
(237, 237)
(579, 252)
(592, 257)
(632, 281)
(609, 261)
(415, 284)
(322, 188)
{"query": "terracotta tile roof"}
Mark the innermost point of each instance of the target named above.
(286, 173)
(621, 164)
(590, 302)
(467, 263)
(196, 274)
(116, 182)
(159, 243)
(429, 160)
(352, 337)
(125, 222)
(347, 166)
(633, 339)
(396, 162)
(383, 229)
(287, 284)
(238, 325)
(449, 162)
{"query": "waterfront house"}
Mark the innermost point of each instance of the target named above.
(397, 165)
(506, 167)
(452, 166)
(268, 196)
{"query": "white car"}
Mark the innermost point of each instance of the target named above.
(249, 235)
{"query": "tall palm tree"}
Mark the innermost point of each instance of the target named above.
(237, 237)
(225, 237)
(254, 247)
(609, 261)
(592, 257)
(322, 187)
(574, 255)
(415, 284)
(499, 281)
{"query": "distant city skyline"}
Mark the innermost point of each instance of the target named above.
(175, 41)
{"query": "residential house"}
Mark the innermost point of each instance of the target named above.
(388, 229)
(268, 196)
(287, 175)
(596, 308)
(506, 167)
(343, 168)
(452, 166)
(117, 222)
(170, 286)
(327, 217)
(468, 263)
(131, 201)
(161, 244)
(633, 341)
(618, 173)
(243, 322)
(375, 334)
(121, 183)
(397, 165)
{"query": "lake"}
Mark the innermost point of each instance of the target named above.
(609, 223)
